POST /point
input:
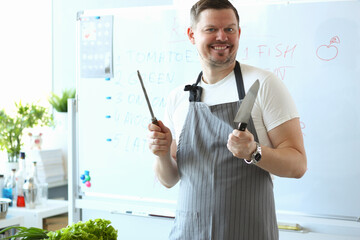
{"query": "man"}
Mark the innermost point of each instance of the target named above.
(225, 192)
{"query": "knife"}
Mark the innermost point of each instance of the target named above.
(153, 118)
(243, 115)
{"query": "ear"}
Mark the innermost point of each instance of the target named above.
(190, 34)
(239, 32)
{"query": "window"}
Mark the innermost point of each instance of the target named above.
(25, 52)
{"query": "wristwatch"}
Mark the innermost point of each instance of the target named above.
(255, 156)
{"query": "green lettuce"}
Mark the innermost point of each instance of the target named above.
(98, 229)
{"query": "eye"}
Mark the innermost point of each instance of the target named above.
(210, 30)
(229, 30)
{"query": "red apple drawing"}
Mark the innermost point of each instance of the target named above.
(328, 52)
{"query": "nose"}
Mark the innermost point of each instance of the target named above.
(221, 35)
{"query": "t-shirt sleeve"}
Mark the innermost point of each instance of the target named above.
(276, 102)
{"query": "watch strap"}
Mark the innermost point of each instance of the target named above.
(255, 156)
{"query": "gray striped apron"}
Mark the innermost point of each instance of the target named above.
(220, 196)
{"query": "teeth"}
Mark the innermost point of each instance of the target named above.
(220, 48)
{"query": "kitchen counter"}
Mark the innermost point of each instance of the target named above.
(11, 220)
(34, 217)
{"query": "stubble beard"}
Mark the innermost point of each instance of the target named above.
(215, 63)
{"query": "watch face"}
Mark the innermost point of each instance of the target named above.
(257, 157)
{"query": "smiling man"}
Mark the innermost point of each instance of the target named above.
(226, 191)
(216, 35)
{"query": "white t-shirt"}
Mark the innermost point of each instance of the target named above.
(273, 105)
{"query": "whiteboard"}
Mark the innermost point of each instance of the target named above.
(313, 47)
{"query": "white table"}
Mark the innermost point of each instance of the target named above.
(11, 221)
(34, 217)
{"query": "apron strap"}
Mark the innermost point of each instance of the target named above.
(196, 91)
(239, 81)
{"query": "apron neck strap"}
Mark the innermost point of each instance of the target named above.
(199, 78)
(239, 81)
(195, 90)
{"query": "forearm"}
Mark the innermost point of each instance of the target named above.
(283, 162)
(286, 157)
(162, 145)
(167, 171)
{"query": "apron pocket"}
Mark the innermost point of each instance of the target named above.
(186, 226)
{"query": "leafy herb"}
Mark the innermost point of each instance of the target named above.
(27, 233)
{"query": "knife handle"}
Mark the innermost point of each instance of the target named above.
(242, 126)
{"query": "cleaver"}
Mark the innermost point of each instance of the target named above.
(243, 115)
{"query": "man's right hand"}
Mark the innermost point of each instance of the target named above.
(160, 139)
(161, 144)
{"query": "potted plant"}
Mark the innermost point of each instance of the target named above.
(59, 103)
(11, 128)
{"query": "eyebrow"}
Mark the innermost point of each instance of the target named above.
(211, 25)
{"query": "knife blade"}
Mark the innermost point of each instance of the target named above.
(153, 118)
(243, 115)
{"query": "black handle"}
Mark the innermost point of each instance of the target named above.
(242, 126)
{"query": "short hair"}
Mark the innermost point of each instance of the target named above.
(202, 5)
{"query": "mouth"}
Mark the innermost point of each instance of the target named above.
(220, 47)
